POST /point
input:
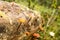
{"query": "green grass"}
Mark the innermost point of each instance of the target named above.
(54, 27)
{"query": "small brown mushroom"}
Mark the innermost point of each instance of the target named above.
(36, 35)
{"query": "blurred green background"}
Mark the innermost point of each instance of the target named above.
(50, 11)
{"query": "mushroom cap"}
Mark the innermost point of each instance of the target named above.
(36, 35)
